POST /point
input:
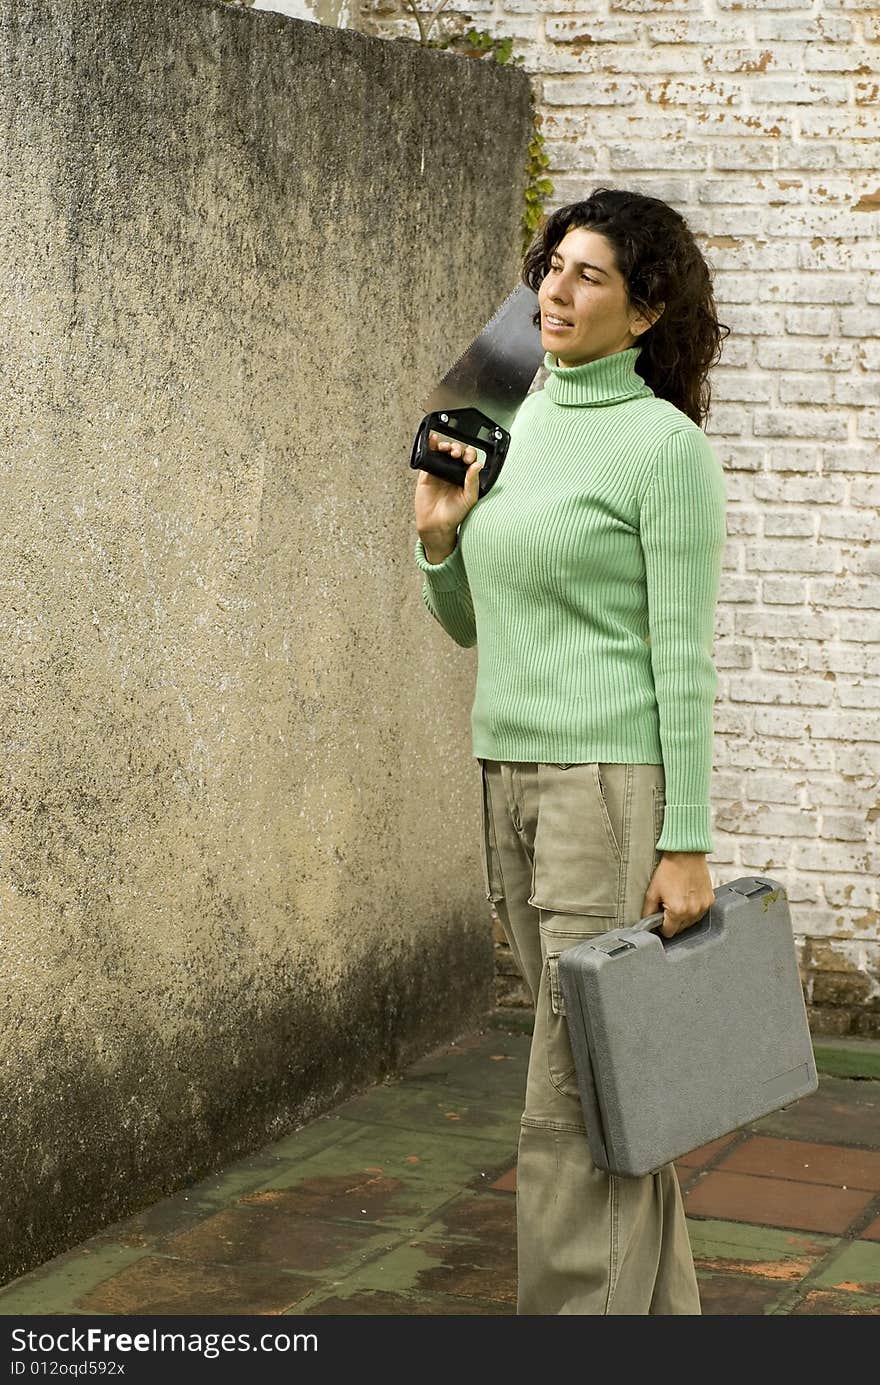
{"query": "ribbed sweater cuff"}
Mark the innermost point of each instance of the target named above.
(686, 827)
(447, 576)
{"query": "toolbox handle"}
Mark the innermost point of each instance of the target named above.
(654, 922)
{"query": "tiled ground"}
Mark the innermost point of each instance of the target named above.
(402, 1202)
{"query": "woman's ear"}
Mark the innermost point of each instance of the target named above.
(641, 323)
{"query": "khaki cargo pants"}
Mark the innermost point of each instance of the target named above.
(568, 852)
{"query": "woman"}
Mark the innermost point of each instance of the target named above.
(588, 577)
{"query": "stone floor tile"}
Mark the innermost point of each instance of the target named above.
(855, 1268)
(760, 1252)
(826, 1302)
(56, 1286)
(840, 1112)
(506, 1183)
(156, 1284)
(391, 1176)
(706, 1153)
(722, 1294)
(871, 1232)
(263, 1229)
(375, 1302)
(774, 1202)
(805, 1162)
(435, 1106)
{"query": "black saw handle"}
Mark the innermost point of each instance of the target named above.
(466, 426)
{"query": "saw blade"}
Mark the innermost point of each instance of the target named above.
(494, 373)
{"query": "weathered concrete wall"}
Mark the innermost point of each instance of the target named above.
(240, 865)
(759, 122)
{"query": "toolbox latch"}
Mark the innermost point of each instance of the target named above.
(749, 888)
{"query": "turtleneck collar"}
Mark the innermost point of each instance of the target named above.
(608, 380)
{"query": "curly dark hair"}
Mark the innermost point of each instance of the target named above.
(655, 252)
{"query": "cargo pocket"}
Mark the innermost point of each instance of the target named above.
(560, 1059)
(577, 858)
(492, 882)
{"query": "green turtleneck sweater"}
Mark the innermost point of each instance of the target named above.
(588, 578)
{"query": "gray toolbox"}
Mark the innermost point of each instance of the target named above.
(678, 1041)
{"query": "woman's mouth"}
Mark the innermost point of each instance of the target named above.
(555, 324)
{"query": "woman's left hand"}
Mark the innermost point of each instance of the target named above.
(682, 887)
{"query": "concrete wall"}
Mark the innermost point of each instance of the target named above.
(760, 122)
(239, 872)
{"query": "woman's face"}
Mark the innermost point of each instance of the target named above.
(585, 290)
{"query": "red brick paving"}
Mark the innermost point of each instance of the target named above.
(775, 1202)
(805, 1162)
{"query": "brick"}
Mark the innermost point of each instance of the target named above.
(763, 322)
(759, 191)
(793, 423)
(783, 753)
(825, 857)
(657, 155)
(727, 420)
(828, 123)
(869, 424)
(818, 58)
(789, 355)
(816, 322)
(799, 28)
(694, 29)
(783, 556)
(805, 389)
(739, 456)
(843, 827)
(853, 459)
(814, 156)
(700, 92)
(747, 157)
(810, 692)
(571, 154)
(841, 524)
(854, 593)
(840, 658)
(857, 759)
(738, 589)
(796, 456)
(858, 626)
(782, 57)
(784, 591)
(861, 562)
(731, 655)
(592, 30)
(647, 6)
(742, 388)
(865, 493)
(860, 322)
(734, 252)
(856, 390)
(805, 288)
(742, 521)
(590, 91)
(820, 253)
(852, 893)
(791, 624)
(858, 694)
(761, 821)
(841, 725)
(785, 658)
(777, 91)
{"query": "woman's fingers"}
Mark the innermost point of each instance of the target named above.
(455, 449)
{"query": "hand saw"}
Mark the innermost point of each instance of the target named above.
(476, 401)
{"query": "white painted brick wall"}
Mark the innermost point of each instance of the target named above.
(758, 120)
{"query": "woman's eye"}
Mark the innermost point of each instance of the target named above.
(557, 269)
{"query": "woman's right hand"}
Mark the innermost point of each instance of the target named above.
(442, 505)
